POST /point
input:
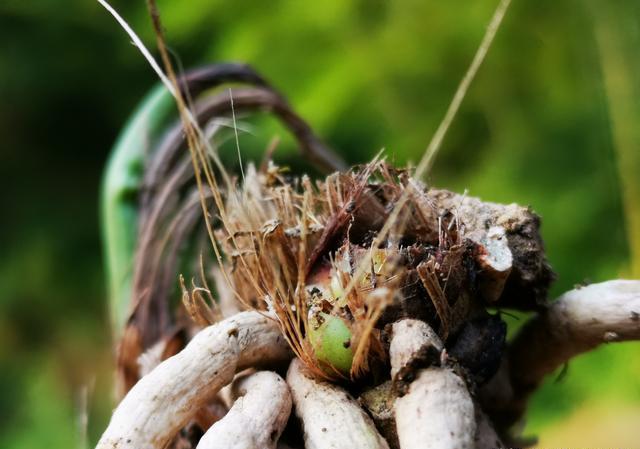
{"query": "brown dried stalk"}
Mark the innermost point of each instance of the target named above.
(167, 221)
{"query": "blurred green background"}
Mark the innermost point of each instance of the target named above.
(551, 121)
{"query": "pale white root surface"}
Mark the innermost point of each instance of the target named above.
(226, 394)
(163, 401)
(410, 337)
(578, 321)
(437, 411)
(257, 417)
(331, 418)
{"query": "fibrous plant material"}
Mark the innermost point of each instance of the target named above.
(331, 418)
(153, 189)
(257, 417)
(294, 248)
(162, 402)
(297, 248)
(525, 274)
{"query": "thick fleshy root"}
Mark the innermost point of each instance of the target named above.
(579, 321)
(331, 418)
(412, 339)
(256, 419)
(431, 405)
(164, 401)
(437, 410)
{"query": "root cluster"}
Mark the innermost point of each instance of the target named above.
(429, 402)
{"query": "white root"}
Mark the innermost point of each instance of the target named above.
(331, 418)
(577, 322)
(226, 394)
(410, 338)
(167, 398)
(256, 419)
(437, 411)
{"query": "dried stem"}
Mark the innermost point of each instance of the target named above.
(434, 145)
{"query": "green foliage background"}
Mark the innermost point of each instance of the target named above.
(536, 128)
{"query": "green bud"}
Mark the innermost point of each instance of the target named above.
(330, 338)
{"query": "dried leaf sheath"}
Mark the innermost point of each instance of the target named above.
(170, 218)
(294, 247)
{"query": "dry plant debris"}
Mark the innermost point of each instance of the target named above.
(294, 248)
